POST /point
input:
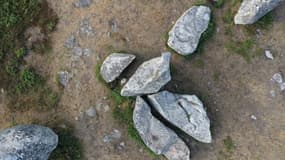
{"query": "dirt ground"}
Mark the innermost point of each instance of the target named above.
(232, 89)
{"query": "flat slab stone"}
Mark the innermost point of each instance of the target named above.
(185, 112)
(184, 37)
(251, 11)
(27, 142)
(159, 138)
(150, 77)
(114, 65)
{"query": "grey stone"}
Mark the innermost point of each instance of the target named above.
(150, 77)
(278, 78)
(70, 42)
(184, 37)
(27, 142)
(114, 65)
(77, 51)
(91, 112)
(86, 29)
(268, 54)
(113, 25)
(113, 136)
(64, 77)
(185, 112)
(160, 139)
(251, 11)
(83, 3)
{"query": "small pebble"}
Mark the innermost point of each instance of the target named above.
(253, 117)
(268, 54)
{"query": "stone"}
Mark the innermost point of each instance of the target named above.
(113, 136)
(253, 117)
(113, 25)
(150, 77)
(185, 112)
(83, 3)
(278, 78)
(77, 51)
(91, 112)
(27, 142)
(86, 29)
(268, 54)
(70, 42)
(184, 37)
(160, 139)
(251, 11)
(64, 77)
(114, 65)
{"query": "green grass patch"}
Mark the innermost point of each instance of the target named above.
(28, 80)
(69, 147)
(264, 23)
(243, 48)
(219, 3)
(229, 144)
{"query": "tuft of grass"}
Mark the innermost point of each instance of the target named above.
(28, 79)
(116, 97)
(218, 3)
(69, 147)
(243, 48)
(200, 3)
(229, 144)
(264, 23)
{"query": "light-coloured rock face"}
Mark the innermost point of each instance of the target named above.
(114, 65)
(150, 77)
(184, 37)
(185, 112)
(159, 138)
(27, 142)
(251, 11)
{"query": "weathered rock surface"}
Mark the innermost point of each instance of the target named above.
(64, 78)
(251, 11)
(27, 142)
(185, 35)
(83, 3)
(185, 112)
(159, 138)
(114, 65)
(150, 77)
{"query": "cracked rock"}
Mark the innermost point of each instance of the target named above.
(159, 138)
(251, 11)
(150, 77)
(27, 142)
(184, 37)
(64, 77)
(185, 112)
(114, 65)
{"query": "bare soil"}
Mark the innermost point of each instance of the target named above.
(231, 88)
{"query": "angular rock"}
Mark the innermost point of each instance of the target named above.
(251, 11)
(27, 142)
(70, 42)
(150, 77)
(185, 112)
(184, 37)
(159, 138)
(114, 65)
(64, 77)
(83, 3)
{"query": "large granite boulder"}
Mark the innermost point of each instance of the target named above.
(185, 112)
(150, 77)
(184, 37)
(159, 138)
(114, 65)
(27, 142)
(251, 11)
